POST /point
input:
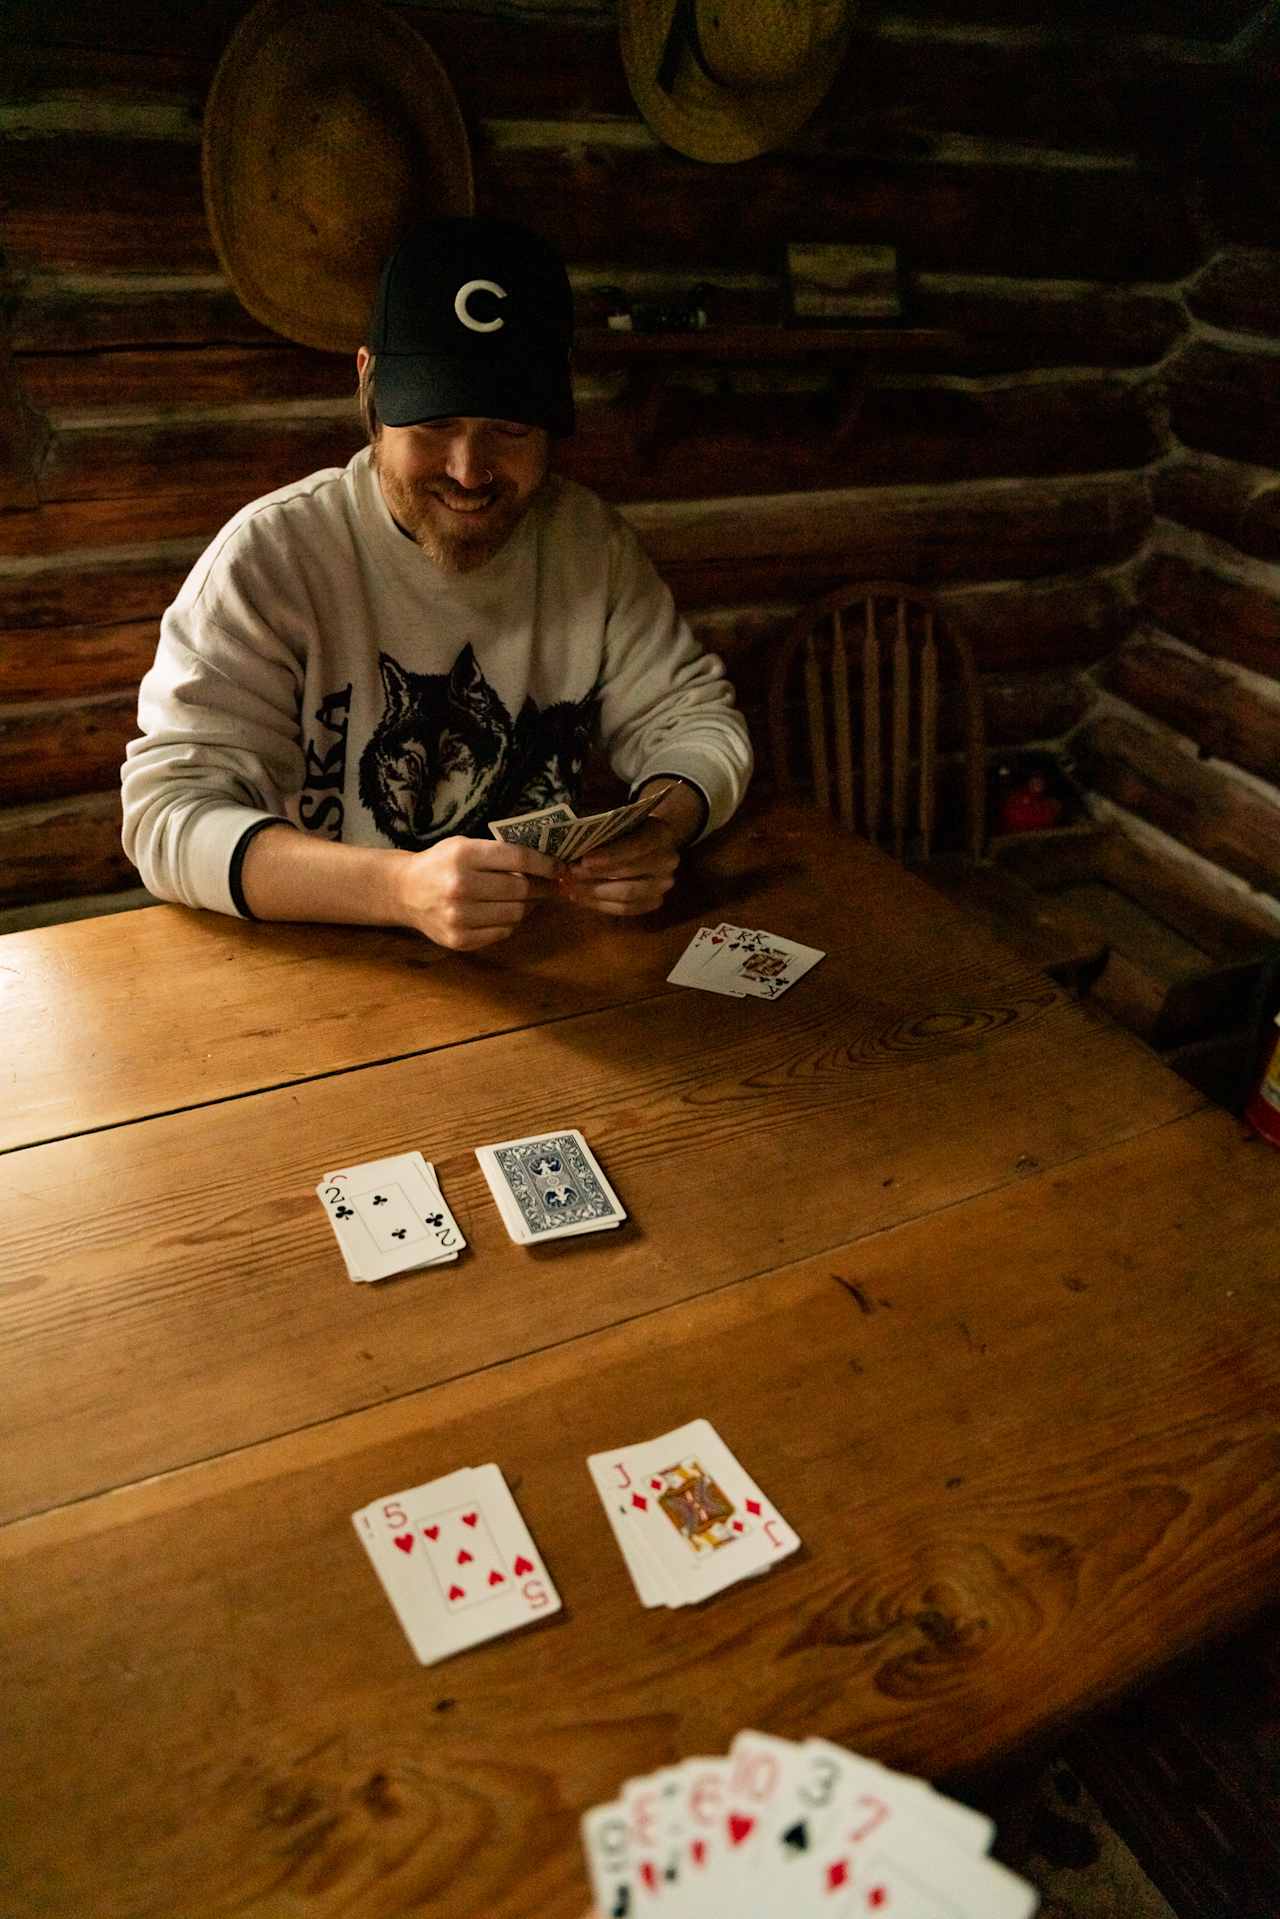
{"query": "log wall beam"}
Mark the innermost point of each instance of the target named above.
(1226, 717)
(1230, 821)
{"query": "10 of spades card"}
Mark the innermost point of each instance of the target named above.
(457, 1561)
(689, 1520)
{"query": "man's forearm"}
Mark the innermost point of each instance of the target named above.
(289, 875)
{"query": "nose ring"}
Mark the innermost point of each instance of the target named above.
(488, 477)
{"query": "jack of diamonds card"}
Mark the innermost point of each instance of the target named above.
(694, 1510)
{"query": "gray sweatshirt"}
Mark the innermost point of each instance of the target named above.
(318, 667)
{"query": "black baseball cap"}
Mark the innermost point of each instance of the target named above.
(473, 317)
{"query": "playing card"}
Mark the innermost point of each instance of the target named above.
(532, 829)
(766, 971)
(655, 1810)
(961, 1824)
(549, 1186)
(742, 962)
(907, 1868)
(695, 966)
(390, 1216)
(652, 1588)
(606, 1845)
(759, 1800)
(704, 1784)
(697, 1517)
(781, 1830)
(457, 1562)
(599, 829)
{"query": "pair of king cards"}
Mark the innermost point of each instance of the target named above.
(558, 830)
(784, 1828)
(390, 1216)
(688, 1519)
(742, 962)
(549, 1186)
(457, 1561)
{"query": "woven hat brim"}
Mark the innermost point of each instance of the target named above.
(707, 121)
(309, 270)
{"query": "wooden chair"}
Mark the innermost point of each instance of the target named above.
(821, 691)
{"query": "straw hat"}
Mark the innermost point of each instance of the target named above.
(726, 79)
(329, 129)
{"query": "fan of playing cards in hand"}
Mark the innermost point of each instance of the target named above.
(558, 830)
(793, 1829)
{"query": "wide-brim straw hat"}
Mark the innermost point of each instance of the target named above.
(330, 128)
(728, 79)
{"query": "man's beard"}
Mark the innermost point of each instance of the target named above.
(458, 542)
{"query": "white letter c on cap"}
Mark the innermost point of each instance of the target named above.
(465, 293)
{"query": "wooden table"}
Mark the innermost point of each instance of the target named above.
(983, 1296)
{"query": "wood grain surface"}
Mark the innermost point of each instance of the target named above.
(113, 1019)
(190, 1251)
(1028, 1441)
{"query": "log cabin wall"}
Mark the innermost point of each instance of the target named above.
(1085, 465)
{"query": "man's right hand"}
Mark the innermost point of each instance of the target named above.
(466, 894)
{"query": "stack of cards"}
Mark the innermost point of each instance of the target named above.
(390, 1216)
(688, 1519)
(777, 1828)
(456, 1561)
(742, 962)
(549, 1186)
(558, 830)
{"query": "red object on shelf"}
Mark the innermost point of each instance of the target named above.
(1263, 1110)
(1029, 806)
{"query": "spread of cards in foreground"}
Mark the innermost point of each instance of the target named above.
(742, 962)
(390, 1216)
(687, 1518)
(456, 1561)
(549, 1186)
(787, 1828)
(558, 830)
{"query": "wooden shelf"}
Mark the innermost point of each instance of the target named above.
(764, 343)
(846, 353)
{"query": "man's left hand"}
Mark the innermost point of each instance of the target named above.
(632, 875)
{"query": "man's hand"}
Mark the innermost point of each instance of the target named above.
(466, 894)
(631, 875)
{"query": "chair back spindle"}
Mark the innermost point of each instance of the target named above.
(899, 628)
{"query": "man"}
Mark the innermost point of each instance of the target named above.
(367, 666)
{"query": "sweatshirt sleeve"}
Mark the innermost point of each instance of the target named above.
(220, 743)
(666, 705)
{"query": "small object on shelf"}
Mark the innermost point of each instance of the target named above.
(849, 283)
(1029, 808)
(623, 315)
